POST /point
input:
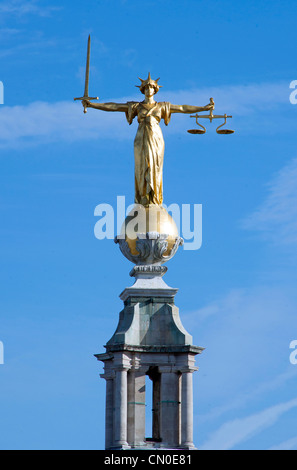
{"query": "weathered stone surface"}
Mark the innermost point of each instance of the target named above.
(150, 323)
(172, 416)
(149, 340)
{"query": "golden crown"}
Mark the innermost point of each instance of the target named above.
(148, 81)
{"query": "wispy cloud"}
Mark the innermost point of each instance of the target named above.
(276, 218)
(26, 47)
(8, 32)
(21, 8)
(246, 398)
(39, 122)
(236, 330)
(241, 100)
(233, 433)
(42, 122)
(291, 444)
(252, 305)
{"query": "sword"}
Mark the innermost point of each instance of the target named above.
(86, 93)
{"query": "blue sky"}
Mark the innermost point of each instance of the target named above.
(59, 285)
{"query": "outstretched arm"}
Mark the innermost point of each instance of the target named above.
(122, 107)
(186, 109)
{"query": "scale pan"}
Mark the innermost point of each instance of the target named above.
(225, 131)
(196, 131)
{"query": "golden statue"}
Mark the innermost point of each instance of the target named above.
(154, 237)
(149, 142)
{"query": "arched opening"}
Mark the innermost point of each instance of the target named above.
(153, 382)
(148, 407)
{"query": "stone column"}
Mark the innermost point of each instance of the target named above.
(170, 402)
(109, 431)
(120, 412)
(136, 407)
(187, 409)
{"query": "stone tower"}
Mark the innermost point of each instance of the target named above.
(149, 341)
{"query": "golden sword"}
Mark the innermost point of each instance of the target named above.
(86, 93)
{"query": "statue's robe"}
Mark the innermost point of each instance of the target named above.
(149, 150)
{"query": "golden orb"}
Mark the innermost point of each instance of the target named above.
(146, 219)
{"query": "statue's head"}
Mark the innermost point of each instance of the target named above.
(149, 83)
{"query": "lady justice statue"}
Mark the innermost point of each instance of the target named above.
(150, 339)
(154, 239)
(149, 142)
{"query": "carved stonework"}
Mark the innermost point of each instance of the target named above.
(151, 248)
(148, 270)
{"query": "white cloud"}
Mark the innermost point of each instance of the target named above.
(291, 444)
(8, 32)
(246, 398)
(276, 218)
(40, 122)
(247, 334)
(252, 306)
(240, 100)
(21, 7)
(233, 433)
